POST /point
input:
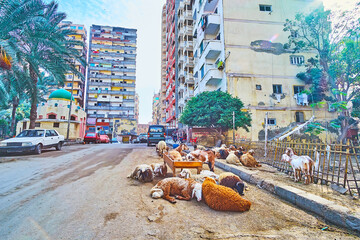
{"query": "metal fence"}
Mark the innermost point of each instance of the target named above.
(338, 163)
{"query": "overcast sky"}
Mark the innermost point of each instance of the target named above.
(144, 15)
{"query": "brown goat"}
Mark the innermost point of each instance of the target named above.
(143, 173)
(182, 147)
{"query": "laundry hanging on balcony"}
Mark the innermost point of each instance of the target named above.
(278, 97)
(301, 99)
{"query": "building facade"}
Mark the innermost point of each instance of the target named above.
(171, 53)
(239, 49)
(156, 116)
(54, 114)
(185, 57)
(80, 34)
(163, 68)
(111, 79)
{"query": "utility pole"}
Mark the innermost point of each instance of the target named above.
(266, 131)
(71, 98)
(234, 127)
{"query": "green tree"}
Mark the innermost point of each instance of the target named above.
(334, 72)
(215, 110)
(43, 45)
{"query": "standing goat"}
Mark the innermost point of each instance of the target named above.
(299, 164)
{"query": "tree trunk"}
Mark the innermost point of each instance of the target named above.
(33, 99)
(15, 104)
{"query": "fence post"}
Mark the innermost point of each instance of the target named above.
(346, 162)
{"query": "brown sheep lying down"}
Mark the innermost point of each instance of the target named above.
(248, 159)
(223, 198)
(232, 181)
(183, 189)
(159, 169)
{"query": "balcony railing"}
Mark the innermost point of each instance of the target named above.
(110, 108)
(111, 84)
(114, 47)
(213, 24)
(213, 75)
(212, 49)
(112, 92)
(111, 76)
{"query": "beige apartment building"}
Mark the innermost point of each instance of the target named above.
(239, 49)
(162, 97)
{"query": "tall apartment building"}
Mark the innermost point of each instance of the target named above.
(156, 109)
(239, 49)
(79, 86)
(137, 105)
(111, 79)
(171, 52)
(163, 68)
(185, 57)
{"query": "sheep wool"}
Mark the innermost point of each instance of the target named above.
(223, 198)
(232, 158)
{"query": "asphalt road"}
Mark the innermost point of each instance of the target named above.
(82, 192)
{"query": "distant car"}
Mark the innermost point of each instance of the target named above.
(136, 140)
(32, 140)
(92, 137)
(143, 137)
(104, 139)
(114, 140)
(156, 133)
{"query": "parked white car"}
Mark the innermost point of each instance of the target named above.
(33, 140)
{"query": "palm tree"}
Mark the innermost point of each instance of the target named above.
(43, 45)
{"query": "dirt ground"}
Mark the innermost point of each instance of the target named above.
(85, 194)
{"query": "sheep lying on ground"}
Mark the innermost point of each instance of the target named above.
(161, 148)
(185, 173)
(232, 159)
(248, 159)
(199, 147)
(223, 198)
(183, 189)
(221, 153)
(204, 156)
(232, 181)
(160, 170)
(143, 173)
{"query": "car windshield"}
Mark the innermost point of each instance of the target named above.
(90, 134)
(31, 133)
(156, 129)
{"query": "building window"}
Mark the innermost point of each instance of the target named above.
(298, 89)
(201, 47)
(271, 121)
(40, 116)
(62, 117)
(299, 117)
(104, 96)
(56, 125)
(258, 87)
(297, 60)
(117, 97)
(72, 27)
(80, 28)
(277, 89)
(265, 8)
(73, 118)
(52, 116)
(202, 71)
(37, 124)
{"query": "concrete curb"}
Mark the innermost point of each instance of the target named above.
(330, 211)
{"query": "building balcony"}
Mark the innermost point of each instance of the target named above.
(113, 69)
(98, 53)
(112, 92)
(213, 24)
(110, 108)
(188, 15)
(188, 94)
(181, 45)
(181, 102)
(188, 30)
(106, 46)
(181, 88)
(111, 76)
(189, 79)
(210, 5)
(212, 76)
(189, 61)
(120, 61)
(212, 49)
(111, 84)
(189, 45)
(96, 115)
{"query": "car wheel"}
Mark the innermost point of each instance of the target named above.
(38, 149)
(59, 146)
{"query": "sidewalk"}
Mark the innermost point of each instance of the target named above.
(335, 208)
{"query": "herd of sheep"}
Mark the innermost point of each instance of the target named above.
(220, 192)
